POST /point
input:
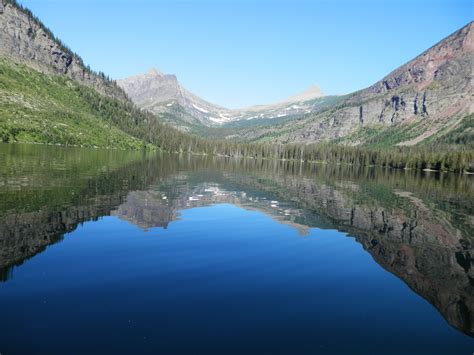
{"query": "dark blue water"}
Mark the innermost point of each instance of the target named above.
(195, 264)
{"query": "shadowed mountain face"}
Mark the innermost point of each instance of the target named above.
(418, 227)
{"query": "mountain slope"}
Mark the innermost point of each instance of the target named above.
(43, 100)
(24, 39)
(47, 95)
(40, 108)
(421, 101)
(162, 94)
(428, 99)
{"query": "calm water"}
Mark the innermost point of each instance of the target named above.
(126, 253)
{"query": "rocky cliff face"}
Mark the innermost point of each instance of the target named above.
(152, 88)
(161, 93)
(26, 40)
(426, 97)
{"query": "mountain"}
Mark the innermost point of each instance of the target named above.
(48, 95)
(162, 94)
(24, 39)
(428, 99)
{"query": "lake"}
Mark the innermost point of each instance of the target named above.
(132, 252)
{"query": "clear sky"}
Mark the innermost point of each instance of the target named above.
(238, 53)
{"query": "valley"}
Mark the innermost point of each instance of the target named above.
(423, 101)
(297, 181)
(422, 109)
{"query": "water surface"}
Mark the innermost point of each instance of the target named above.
(127, 252)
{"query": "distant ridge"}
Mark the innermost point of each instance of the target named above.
(313, 92)
(161, 93)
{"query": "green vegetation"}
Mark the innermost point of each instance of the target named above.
(462, 134)
(383, 137)
(52, 176)
(39, 108)
(424, 157)
(52, 109)
(64, 48)
(46, 185)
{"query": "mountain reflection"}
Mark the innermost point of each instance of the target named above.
(149, 209)
(415, 225)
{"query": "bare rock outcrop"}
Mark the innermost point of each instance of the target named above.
(24, 39)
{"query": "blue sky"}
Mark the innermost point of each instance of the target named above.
(238, 53)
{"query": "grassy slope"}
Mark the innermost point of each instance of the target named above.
(462, 134)
(379, 136)
(40, 108)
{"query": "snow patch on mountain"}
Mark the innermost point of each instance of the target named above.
(160, 92)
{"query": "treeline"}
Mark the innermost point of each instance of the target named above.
(425, 157)
(151, 131)
(434, 157)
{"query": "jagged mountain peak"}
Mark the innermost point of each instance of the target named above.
(150, 75)
(157, 92)
(154, 72)
(151, 88)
